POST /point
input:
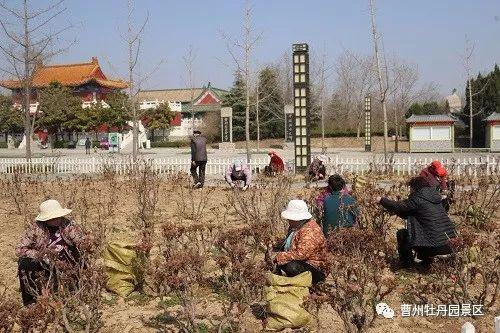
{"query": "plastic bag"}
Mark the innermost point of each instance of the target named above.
(285, 298)
(118, 260)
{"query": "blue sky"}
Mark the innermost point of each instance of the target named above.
(428, 33)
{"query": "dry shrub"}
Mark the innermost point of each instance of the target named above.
(360, 277)
(260, 210)
(372, 216)
(9, 309)
(145, 184)
(470, 276)
(191, 205)
(180, 269)
(476, 201)
(242, 273)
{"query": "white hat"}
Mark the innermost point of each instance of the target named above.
(296, 211)
(238, 165)
(51, 209)
(323, 158)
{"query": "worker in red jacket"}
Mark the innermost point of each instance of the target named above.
(276, 164)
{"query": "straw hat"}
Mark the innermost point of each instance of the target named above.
(296, 211)
(51, 209)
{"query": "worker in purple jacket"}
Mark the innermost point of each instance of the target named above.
(237, 172)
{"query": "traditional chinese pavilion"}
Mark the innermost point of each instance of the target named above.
(86, 79)
(205, 100)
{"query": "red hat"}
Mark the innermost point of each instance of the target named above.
(438, 168)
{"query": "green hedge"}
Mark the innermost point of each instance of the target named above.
(170, 144)
(60, 144)
(316, 133)
(3, 145)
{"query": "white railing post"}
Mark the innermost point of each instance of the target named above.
(497, 324)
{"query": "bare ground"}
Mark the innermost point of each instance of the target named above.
(131, 314)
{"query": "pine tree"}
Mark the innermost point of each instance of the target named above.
(271, 105)
(485, 101)
(11, 120)
(57, 106)
(236, 99)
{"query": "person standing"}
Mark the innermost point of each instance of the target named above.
(198, 158)
(88, 145)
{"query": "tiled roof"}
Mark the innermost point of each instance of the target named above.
(71, 75)
(431, 118)
(176, 95)
(495, 116)
(172, 95)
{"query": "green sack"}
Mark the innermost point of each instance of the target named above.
(285, 297)
(118, 260)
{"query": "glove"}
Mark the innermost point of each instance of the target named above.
(245, 187)
(233, 185)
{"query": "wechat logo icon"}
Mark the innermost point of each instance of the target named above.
(384, 310)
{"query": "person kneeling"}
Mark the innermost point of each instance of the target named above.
(317, 169)
(51, 233)
(238, 172)
(304, 248)
(340, 209)
(429, 228)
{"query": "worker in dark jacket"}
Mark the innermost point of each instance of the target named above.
(198, 158)
(428, 225)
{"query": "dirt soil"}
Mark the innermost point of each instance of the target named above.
(130, 315)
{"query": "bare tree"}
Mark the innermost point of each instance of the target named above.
(405, 90)
(381, 73)
(241, 53)
(134, 48)
(467, 59)
(355, 80)
(29, 40)
(189, 60)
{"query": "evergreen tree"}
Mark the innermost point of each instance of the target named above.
(57, 106)
(236, 99)
(11, 120)
(485, 101)
(426, 108)
(158, 118)
(116, 116)
(271, 105)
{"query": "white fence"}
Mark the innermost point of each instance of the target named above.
(408, 165)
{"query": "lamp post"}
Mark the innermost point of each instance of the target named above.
(368, 124)
(301, 131)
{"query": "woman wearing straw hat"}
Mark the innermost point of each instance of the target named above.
(304, 248)
(52, 235)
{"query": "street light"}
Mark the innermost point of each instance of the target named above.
(301, 133)
(368, 123)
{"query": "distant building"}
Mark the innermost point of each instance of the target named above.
(86, 79)
(431, 133)
(493, 132)
(205, 100)
(454, 102)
